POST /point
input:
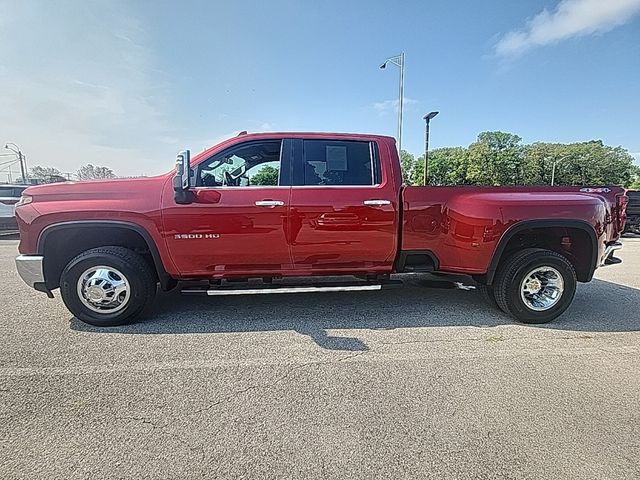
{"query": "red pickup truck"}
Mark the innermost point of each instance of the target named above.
(256, 211)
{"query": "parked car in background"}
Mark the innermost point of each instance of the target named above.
(9, 196)
(632, 224)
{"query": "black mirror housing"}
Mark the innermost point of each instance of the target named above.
(182, 179)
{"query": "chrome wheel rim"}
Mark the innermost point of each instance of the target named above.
(104, 289)
(542, 288)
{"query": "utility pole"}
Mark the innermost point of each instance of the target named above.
(398, 61)
(15, 149)
(427, 119)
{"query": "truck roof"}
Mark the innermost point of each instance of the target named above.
(275, 135)
(315, 134)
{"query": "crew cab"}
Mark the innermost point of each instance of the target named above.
(258, 211)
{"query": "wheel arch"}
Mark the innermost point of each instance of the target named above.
(118, 233)
(585, 272)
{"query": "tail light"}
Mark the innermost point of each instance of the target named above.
(621, 211)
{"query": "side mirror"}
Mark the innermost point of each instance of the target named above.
(182, 178)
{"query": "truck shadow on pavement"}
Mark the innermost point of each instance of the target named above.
(425, 301)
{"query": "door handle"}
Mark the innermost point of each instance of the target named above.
(377, 203)
(269, 203)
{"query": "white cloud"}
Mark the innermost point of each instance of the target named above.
(389, 106)
(80, 85)
(571, 18)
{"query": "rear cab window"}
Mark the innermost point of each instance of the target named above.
(339, 163)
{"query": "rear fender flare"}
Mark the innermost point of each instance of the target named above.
(546, 223)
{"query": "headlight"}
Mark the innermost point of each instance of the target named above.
(24, 200)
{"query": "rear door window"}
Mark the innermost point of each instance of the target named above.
(330, 163)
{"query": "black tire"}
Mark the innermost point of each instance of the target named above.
(142, 285)
(511, 276)
(487, 294)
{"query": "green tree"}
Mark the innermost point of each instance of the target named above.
(499, 158)
(417, 174)
(592, 163)
(267, 175)
(91, 172)
(448, 166)
(407, 164)
(495, 159)
(635, 178)
(46, 174)
(537, 159)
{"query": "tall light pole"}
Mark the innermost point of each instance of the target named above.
(553, 168)
(398, 60)
(15, 149)
(427, 119)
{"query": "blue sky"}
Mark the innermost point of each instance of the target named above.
(127, 84)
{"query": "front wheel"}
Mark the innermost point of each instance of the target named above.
(535, 285)
(107, 286)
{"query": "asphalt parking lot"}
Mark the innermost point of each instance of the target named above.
(421, 382)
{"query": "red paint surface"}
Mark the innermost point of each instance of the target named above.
(463, 225)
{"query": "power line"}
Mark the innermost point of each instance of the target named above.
(10, 162)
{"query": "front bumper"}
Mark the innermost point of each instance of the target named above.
(30, 269)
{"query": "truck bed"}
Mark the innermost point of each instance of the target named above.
(462, 226)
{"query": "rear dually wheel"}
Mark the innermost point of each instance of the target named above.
(535, 285)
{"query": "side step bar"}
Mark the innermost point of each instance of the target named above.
(272, 289)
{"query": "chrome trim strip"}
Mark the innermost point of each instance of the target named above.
(269, 203)
(373, 170)
(256, 187)
(263, 291)
(246, 187)
(30, 269)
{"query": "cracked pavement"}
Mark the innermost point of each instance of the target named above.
(421, 382)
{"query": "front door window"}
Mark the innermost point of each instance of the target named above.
(252, 164)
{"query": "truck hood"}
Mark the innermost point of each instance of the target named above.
(112, 189)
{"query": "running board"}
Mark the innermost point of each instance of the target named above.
(272, 289)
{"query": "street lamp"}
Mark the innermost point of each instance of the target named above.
(427, 119)
(553, 168)
(18, 152)
(398, 61)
